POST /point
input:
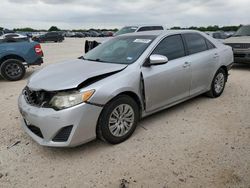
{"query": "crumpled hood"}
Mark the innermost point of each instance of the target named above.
(245, 39)
(70, 74)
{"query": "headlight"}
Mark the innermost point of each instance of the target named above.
(64, 100)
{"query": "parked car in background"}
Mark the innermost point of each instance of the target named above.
(139, 28)
(219, 35)
(15, 57)
(13, 37)
(79, 35)
(50, 36)
(107, 33)
(128, 77)
(240, 42)
(90, 44)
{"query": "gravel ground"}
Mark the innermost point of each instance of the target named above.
(200, 143)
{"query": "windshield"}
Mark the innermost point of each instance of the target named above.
(121, 50)
(243, 31)
(125, 30)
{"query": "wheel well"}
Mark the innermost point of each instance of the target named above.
(11, 57)
(226, 71)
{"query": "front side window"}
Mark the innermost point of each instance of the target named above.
(195, 43)
(120, 50)
(172, 47)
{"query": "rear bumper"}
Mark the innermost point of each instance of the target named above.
(39, 61)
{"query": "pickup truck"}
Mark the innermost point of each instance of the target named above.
(15, 57)
(240, 42)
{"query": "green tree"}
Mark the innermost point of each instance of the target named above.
(54, 28)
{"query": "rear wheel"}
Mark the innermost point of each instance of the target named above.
(218, 84)
(12, 70)
(118, 120)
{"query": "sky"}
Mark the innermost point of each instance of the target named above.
(85, 14)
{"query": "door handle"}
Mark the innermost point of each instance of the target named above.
(186, 64)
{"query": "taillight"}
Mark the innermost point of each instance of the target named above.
(38, 49)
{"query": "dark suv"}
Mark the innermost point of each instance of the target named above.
(50, 36)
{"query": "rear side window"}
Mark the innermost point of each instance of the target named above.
(144, 29)
(172, 47)
(150, 28)
(157, 28)
(195, 43)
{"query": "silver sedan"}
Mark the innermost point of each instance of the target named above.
(106, 92)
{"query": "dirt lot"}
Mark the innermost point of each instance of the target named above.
(200, 143)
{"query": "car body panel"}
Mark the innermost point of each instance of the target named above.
(166, 83)
(54, 77)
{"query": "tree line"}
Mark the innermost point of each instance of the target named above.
(208, 28)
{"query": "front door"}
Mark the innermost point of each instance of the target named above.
(170, 82)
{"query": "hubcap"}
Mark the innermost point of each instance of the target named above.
(121, 120)
(13, 70)
(219, 82)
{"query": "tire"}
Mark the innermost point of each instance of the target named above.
(218, 84)
(12, 70)
(108, 121)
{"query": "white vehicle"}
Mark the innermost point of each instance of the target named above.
(13, 36)
(125, 30)
(106, 92)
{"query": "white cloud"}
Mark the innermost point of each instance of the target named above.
(70, 14)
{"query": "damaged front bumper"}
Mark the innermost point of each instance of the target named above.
(64, 128)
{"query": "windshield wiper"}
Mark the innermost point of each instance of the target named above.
(98, 60)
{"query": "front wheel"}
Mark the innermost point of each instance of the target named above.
(12, 70)
(218, 84)
(118, 120)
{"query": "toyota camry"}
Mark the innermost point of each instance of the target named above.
(106, 92)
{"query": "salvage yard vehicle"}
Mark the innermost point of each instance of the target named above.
(113, 86)
(240, 42)
(16, 56)
(14, 37)
(49, 37)
(89, 45)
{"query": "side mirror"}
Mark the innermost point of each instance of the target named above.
(156, 59)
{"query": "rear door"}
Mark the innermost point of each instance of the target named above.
(203, 58)
(170, 82)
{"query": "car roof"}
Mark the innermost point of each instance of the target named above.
(144, 25)
(160, 32)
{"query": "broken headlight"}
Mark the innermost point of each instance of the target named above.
(64, 100)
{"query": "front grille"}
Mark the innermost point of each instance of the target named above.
(63, 134)
(37, 98)
(239, 45)
(240, 55)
